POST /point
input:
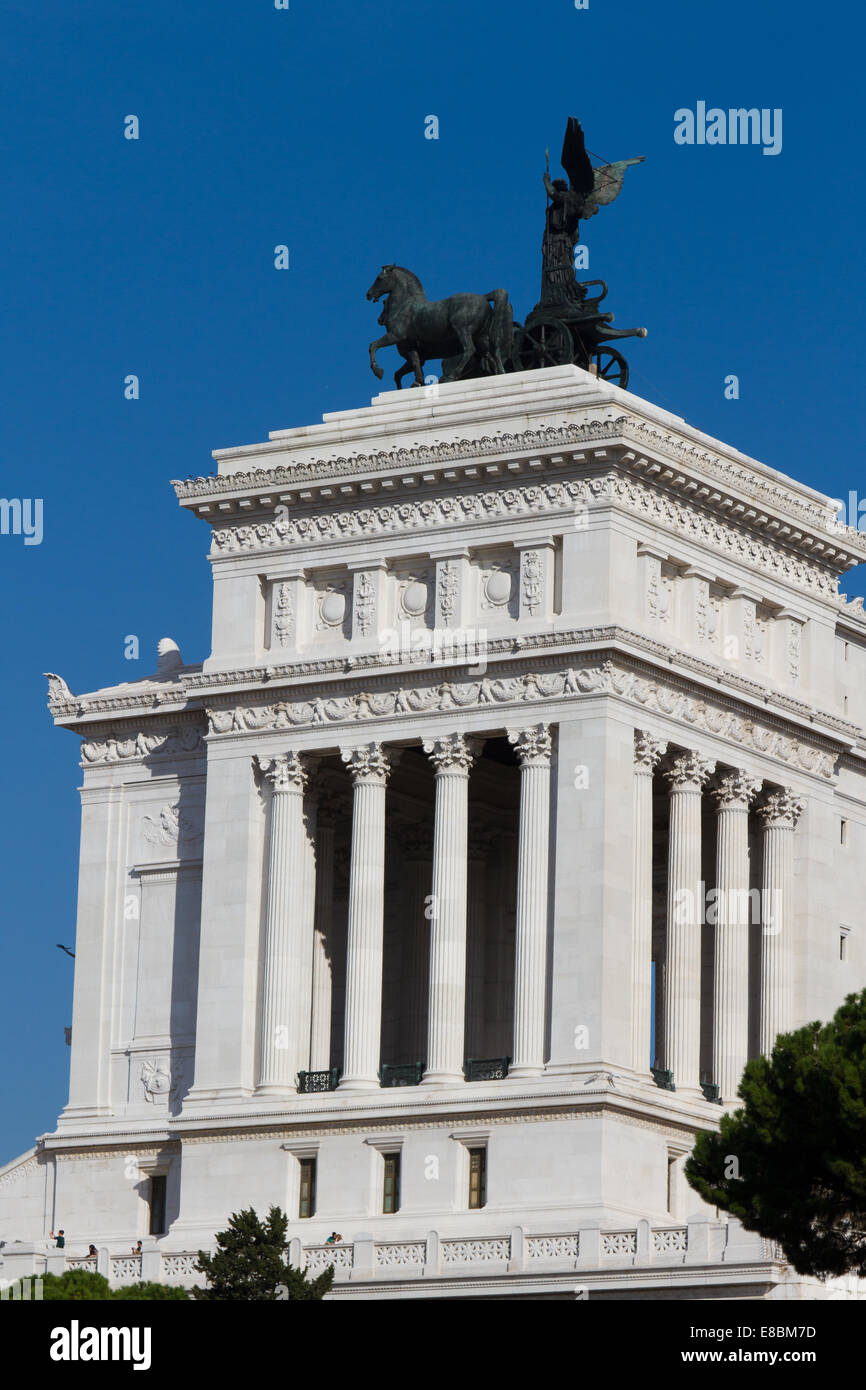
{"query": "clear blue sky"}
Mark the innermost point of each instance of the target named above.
(306, 127)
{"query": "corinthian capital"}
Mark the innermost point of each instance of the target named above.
(781, 810)
(687, 772)
(453, 753)
(736, 790)
(286, 772)
(647, 750)
(370, 763)
(532, 746)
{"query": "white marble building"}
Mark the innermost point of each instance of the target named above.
(521, 800)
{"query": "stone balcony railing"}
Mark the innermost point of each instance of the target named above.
(436, 1256)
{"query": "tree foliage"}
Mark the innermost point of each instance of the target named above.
(78, 1285)
(791, 1164)
(250, 1264)
(150, 1291)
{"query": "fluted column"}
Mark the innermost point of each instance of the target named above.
(452, 757)
(682, 1012)
(369, 767)
(778, 816)
(285, 938)
(323, 944)
(533, 748)
(733, 796)
(647, 752)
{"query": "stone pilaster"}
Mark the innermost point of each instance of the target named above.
(733, 796)
(778, 816)
(533, 747)
(280, 1056)
(647, 752)
(686, 775)
(452, 758)
(369, 767)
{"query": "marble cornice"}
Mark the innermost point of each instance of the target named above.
(545, 684)
(525, 670)
(737, 491)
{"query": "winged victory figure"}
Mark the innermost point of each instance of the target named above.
(570, 203)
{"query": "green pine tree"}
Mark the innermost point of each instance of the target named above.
(250, 1264)
(791, 1164)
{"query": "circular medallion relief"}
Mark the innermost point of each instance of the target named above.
(333, 609)
(415, 598)
(497, 587)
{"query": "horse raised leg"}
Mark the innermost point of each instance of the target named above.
(387, 340)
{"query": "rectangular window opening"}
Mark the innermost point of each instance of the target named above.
(307, 1193)
(391, 1186)
(156, 1204)
(477, 1178)
(843, 832)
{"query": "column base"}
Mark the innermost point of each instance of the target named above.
(443, 1078)
(358, 1083)
(275, 1090)
(524, 1073)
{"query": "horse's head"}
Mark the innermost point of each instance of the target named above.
(383, 283)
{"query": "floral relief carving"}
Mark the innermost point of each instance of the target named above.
(284, 616)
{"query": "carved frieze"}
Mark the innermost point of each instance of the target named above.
(533, 687)
(187, 739)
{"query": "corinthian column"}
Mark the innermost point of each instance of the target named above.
(452, 758)
(323, 943)
(533, 747)
(647, 752)
(682, 1013)
(369, 767)
(735, 792)
(778, 817)
(285, 936)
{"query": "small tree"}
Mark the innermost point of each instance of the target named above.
(250, 1264)
(792, 1163)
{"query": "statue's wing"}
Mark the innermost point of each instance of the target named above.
(575, 160)
(607, 181)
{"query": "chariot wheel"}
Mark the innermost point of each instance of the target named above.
(611, 366)
(545, 343)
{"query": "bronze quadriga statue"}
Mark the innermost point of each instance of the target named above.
(475, 335)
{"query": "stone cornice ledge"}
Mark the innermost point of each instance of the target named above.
(725, 467)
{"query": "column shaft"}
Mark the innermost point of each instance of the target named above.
(530, 983)
(452, 757)
(778, 815)
(682, 1011)
(731, 958)
(363, 1024)
(280, 1058)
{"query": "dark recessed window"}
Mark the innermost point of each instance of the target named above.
(156, 1202)
(477, 1178)
(307, 1197)
(391, 1187)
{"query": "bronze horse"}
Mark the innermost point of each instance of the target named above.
(471, 333)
